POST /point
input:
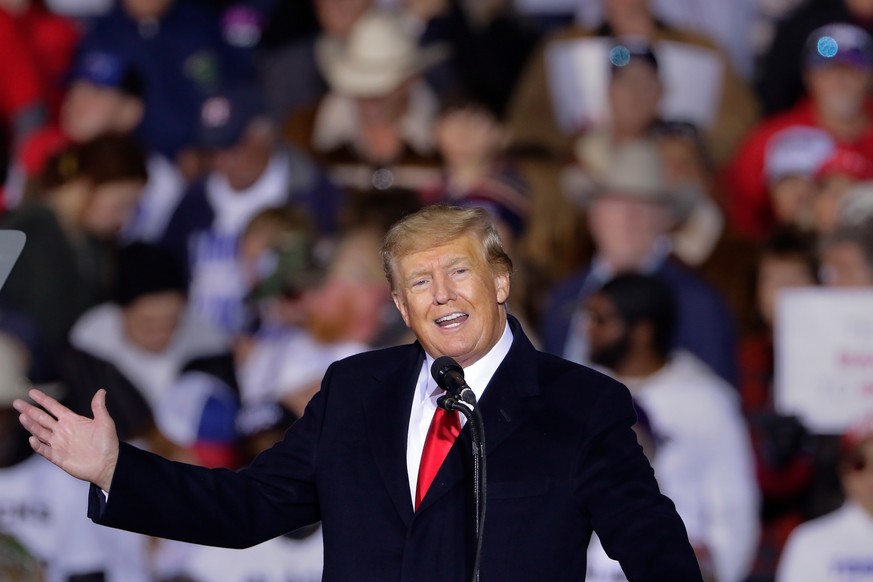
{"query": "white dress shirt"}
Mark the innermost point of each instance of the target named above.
(477, 376)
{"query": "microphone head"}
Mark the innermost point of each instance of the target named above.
(442, 366)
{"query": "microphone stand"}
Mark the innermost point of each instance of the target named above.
(474, 418)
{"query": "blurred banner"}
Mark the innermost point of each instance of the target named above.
(824, 357)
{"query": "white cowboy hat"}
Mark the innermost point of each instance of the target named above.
(379, 54)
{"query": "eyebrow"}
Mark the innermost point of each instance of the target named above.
(452, 262)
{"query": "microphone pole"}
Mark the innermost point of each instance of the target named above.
(462, 399)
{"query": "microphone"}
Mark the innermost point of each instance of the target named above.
(450, 377)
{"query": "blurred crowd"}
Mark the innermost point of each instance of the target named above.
(204, 186)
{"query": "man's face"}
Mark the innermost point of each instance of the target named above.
(608, 338)
(451, 299)
(90, 110)
(625, 229)
(243, 164)
(151, 320)
(110, 207)
(777, 273)
(838, 91)
(634, 96)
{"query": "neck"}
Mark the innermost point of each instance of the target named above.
(844, 129)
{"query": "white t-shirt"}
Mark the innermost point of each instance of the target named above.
(837, 547)
(45, 510)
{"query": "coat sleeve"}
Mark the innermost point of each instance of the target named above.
(218, 507)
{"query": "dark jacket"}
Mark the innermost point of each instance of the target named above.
(562, 461)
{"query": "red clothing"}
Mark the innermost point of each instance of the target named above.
(20, 81)
(748, 196)
(53, 40)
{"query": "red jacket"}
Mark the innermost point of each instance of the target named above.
(746, 185)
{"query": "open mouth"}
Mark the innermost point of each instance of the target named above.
(451, 320)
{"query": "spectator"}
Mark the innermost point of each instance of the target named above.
(105, 95)
(729, 25)
(780, 74)
(138, 346)
(792, 163)
(291, 76)
(85, 196)
(250, 169)
(837, 80)
(630, 209)
(846, 256)
(178, 48)
(374, 127)
(704, 463)
(783, 448)
(532, 115)
(41, 508)
(836, 179)
(837, 545)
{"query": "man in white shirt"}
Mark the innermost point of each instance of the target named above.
(704, 461)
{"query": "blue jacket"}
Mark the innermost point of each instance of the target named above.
(182, 58)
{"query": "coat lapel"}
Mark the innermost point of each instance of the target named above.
(386, 411)
(505, 405)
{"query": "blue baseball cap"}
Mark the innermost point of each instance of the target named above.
(225, 116)
(109, 70)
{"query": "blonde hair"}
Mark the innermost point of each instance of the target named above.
(440, 224)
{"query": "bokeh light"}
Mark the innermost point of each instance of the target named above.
(619, 56)
(827, 47)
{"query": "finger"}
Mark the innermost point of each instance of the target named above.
(38, 415)
(98, 405)
(34, 428)
(40, 447)
(49, 403)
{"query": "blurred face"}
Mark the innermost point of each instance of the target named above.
(838, 91)
(338, 16)
(625, 229)
(110, 207)
(151, 320)
(776, 273)
(857, 476)
(451, 299)
(826, 205)
(843, 265)
(863, 9)
(384, 108)
(634, 94)
(608, 339)
(243, 164)
(146, 9)
(792, 200)
(89, 110)
(682, 164)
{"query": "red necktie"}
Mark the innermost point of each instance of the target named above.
(444, 429)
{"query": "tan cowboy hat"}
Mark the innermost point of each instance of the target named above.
(631, 170)
(379, 54)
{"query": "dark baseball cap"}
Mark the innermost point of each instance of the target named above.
(109, 70)
(225, 116)
(839, 43)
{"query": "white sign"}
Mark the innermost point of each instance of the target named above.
(578, 71)
(824, 357)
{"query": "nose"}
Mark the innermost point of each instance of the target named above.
(443, 290)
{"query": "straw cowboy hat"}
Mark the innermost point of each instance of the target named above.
(631, 170)
(379, 54)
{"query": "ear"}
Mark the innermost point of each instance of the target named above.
(400, 303)
(501, 283)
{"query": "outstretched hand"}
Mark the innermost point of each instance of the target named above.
(83, 447)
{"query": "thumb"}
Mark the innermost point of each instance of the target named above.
(98, 406)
